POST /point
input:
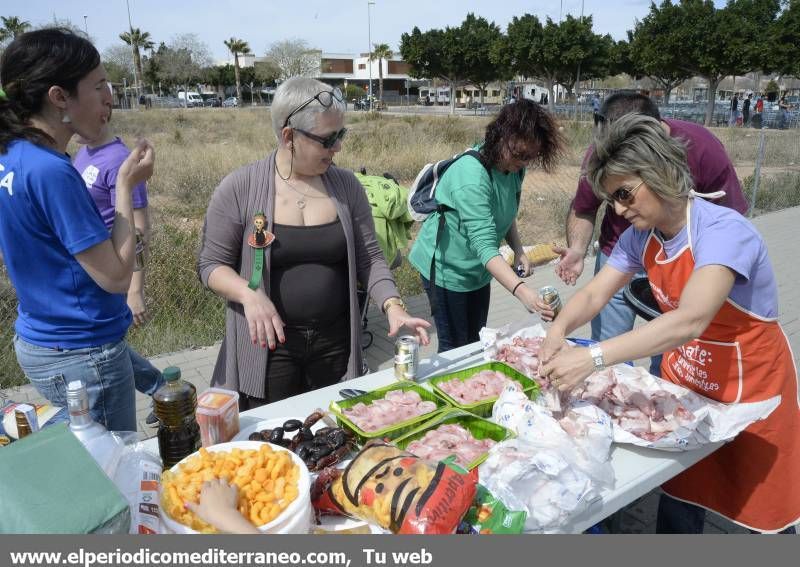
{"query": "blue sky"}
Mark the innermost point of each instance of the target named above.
(333, 26)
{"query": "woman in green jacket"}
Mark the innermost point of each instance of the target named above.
(482, 200)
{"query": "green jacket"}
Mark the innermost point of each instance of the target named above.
(389, 203)
(484, 209)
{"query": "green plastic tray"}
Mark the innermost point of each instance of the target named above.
(484, 408)
(477, 426)
(393, 431)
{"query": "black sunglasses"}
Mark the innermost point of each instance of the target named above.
(623, 195)
(325, 98)
(327, 141)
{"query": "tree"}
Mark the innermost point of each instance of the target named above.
(652, 47)
(118, 64)
(479, 37)
(294, 58)
(784, 55)
(237, 46)
(137, 39)
(12, 27)
(380, 51)
(715, 43)
(435, 54)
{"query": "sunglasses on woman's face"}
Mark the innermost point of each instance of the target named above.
(328, 141)
(325, 98)
(623, 195)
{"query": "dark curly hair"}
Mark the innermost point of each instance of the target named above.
(30, 65)
(524, 120)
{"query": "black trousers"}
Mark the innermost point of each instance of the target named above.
(312, 357)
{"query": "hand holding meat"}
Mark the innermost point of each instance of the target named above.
(398, 318)
(266, 326)
(553, 344)
(569, 368)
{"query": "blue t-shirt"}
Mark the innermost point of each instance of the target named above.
(46, 218)
(720, 236)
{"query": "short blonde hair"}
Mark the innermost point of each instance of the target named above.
(635, 144)
(293, 93)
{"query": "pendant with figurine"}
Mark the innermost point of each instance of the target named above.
(260, 237)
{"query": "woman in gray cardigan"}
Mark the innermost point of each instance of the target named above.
(285, 242)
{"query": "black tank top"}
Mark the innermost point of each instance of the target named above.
(308, 277)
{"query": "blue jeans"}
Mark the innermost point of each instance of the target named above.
(106, 370)
(678, 517)
(147, 378)
(617, 318)
(460, 315)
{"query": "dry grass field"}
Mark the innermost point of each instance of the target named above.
(196, 148)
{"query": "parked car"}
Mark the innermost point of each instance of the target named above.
(231, 101)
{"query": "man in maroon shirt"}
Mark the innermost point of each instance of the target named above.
(711, 169)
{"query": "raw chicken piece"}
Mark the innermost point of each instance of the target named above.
(485, 385)
(649, 415)
(450, 439)
(395, 407)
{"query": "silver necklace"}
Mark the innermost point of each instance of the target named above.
(301, 200)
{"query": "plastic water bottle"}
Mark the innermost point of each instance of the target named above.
(175, 405)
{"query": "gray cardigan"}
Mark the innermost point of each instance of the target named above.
(241, 365)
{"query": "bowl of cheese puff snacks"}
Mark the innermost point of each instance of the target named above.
(273, 487)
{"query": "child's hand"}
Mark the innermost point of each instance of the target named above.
(218, 507)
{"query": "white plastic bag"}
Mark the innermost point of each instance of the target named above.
(138, 477)
(552, 474)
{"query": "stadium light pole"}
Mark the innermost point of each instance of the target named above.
(369, 39)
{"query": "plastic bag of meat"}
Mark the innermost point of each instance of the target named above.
(555, 469)
(654, 413)
(397, 491)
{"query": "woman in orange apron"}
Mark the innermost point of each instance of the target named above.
(710, 273)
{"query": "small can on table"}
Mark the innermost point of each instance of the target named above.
(406, 358)
(550, 296)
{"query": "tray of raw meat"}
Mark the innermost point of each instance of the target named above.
(476, 389)
(389, 412)
(456, 433)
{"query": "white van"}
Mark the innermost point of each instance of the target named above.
(432, 96)
(191, 99)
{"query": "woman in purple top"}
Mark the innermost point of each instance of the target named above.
(711, 276)
(98, 162)
(711, 170)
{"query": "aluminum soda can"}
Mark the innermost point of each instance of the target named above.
(550, 296)
(406, 358)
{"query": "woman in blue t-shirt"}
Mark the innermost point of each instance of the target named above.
(69, 273)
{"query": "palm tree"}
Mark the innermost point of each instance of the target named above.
(380, 52)
(237, 46)
(136, 38)
(12, 27)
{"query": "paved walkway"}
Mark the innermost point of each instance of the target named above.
(778, 229)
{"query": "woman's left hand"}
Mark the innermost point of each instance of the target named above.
(398, 317)
(568, 368)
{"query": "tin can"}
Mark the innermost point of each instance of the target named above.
(138, 264)
(406, 358)
(550, 296)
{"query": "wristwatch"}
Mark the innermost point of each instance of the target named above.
(393, 301)
(596, 353)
